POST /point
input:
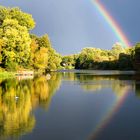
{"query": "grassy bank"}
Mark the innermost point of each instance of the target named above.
(6, 74)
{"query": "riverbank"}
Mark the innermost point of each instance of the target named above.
(12, 74)
(6, 74)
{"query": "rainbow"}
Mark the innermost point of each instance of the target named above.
(112, 23)
(111, 112)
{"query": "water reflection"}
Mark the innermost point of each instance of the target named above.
(15, 107)
(92, 82)
(18, 97)
(117, 83)
(121, 86)
(137, 88)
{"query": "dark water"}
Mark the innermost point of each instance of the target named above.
(80, 105)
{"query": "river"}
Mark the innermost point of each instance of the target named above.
(71, 105)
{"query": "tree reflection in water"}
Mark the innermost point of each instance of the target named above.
(90, 82)
(18, 98)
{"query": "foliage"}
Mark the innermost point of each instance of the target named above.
(17, 100)
(19, 49)
(68, 62)
(44, 55)
(39, 56)
(118, 58)
(16, 47)
(22, 18)
(136, 56)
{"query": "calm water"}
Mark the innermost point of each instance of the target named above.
(80, 105)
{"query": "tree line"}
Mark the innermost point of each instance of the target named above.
(19, 49)
(118, 58)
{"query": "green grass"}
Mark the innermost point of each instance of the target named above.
(6, 74)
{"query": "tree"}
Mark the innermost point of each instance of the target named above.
(39, 56)
(137, 57)
(68, 61)
(54, 59)
(44, 54)
(16, 46)
(19, 49)
(23, 18)
(14, 37)
(116, 50)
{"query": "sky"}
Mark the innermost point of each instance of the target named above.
(76, 24)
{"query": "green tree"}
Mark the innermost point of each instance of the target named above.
(39, 56)
(45, 54)
(54, 58)
(136, 57)
(14, 37)
(24, 19)
(68, 61)
(16, 48)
